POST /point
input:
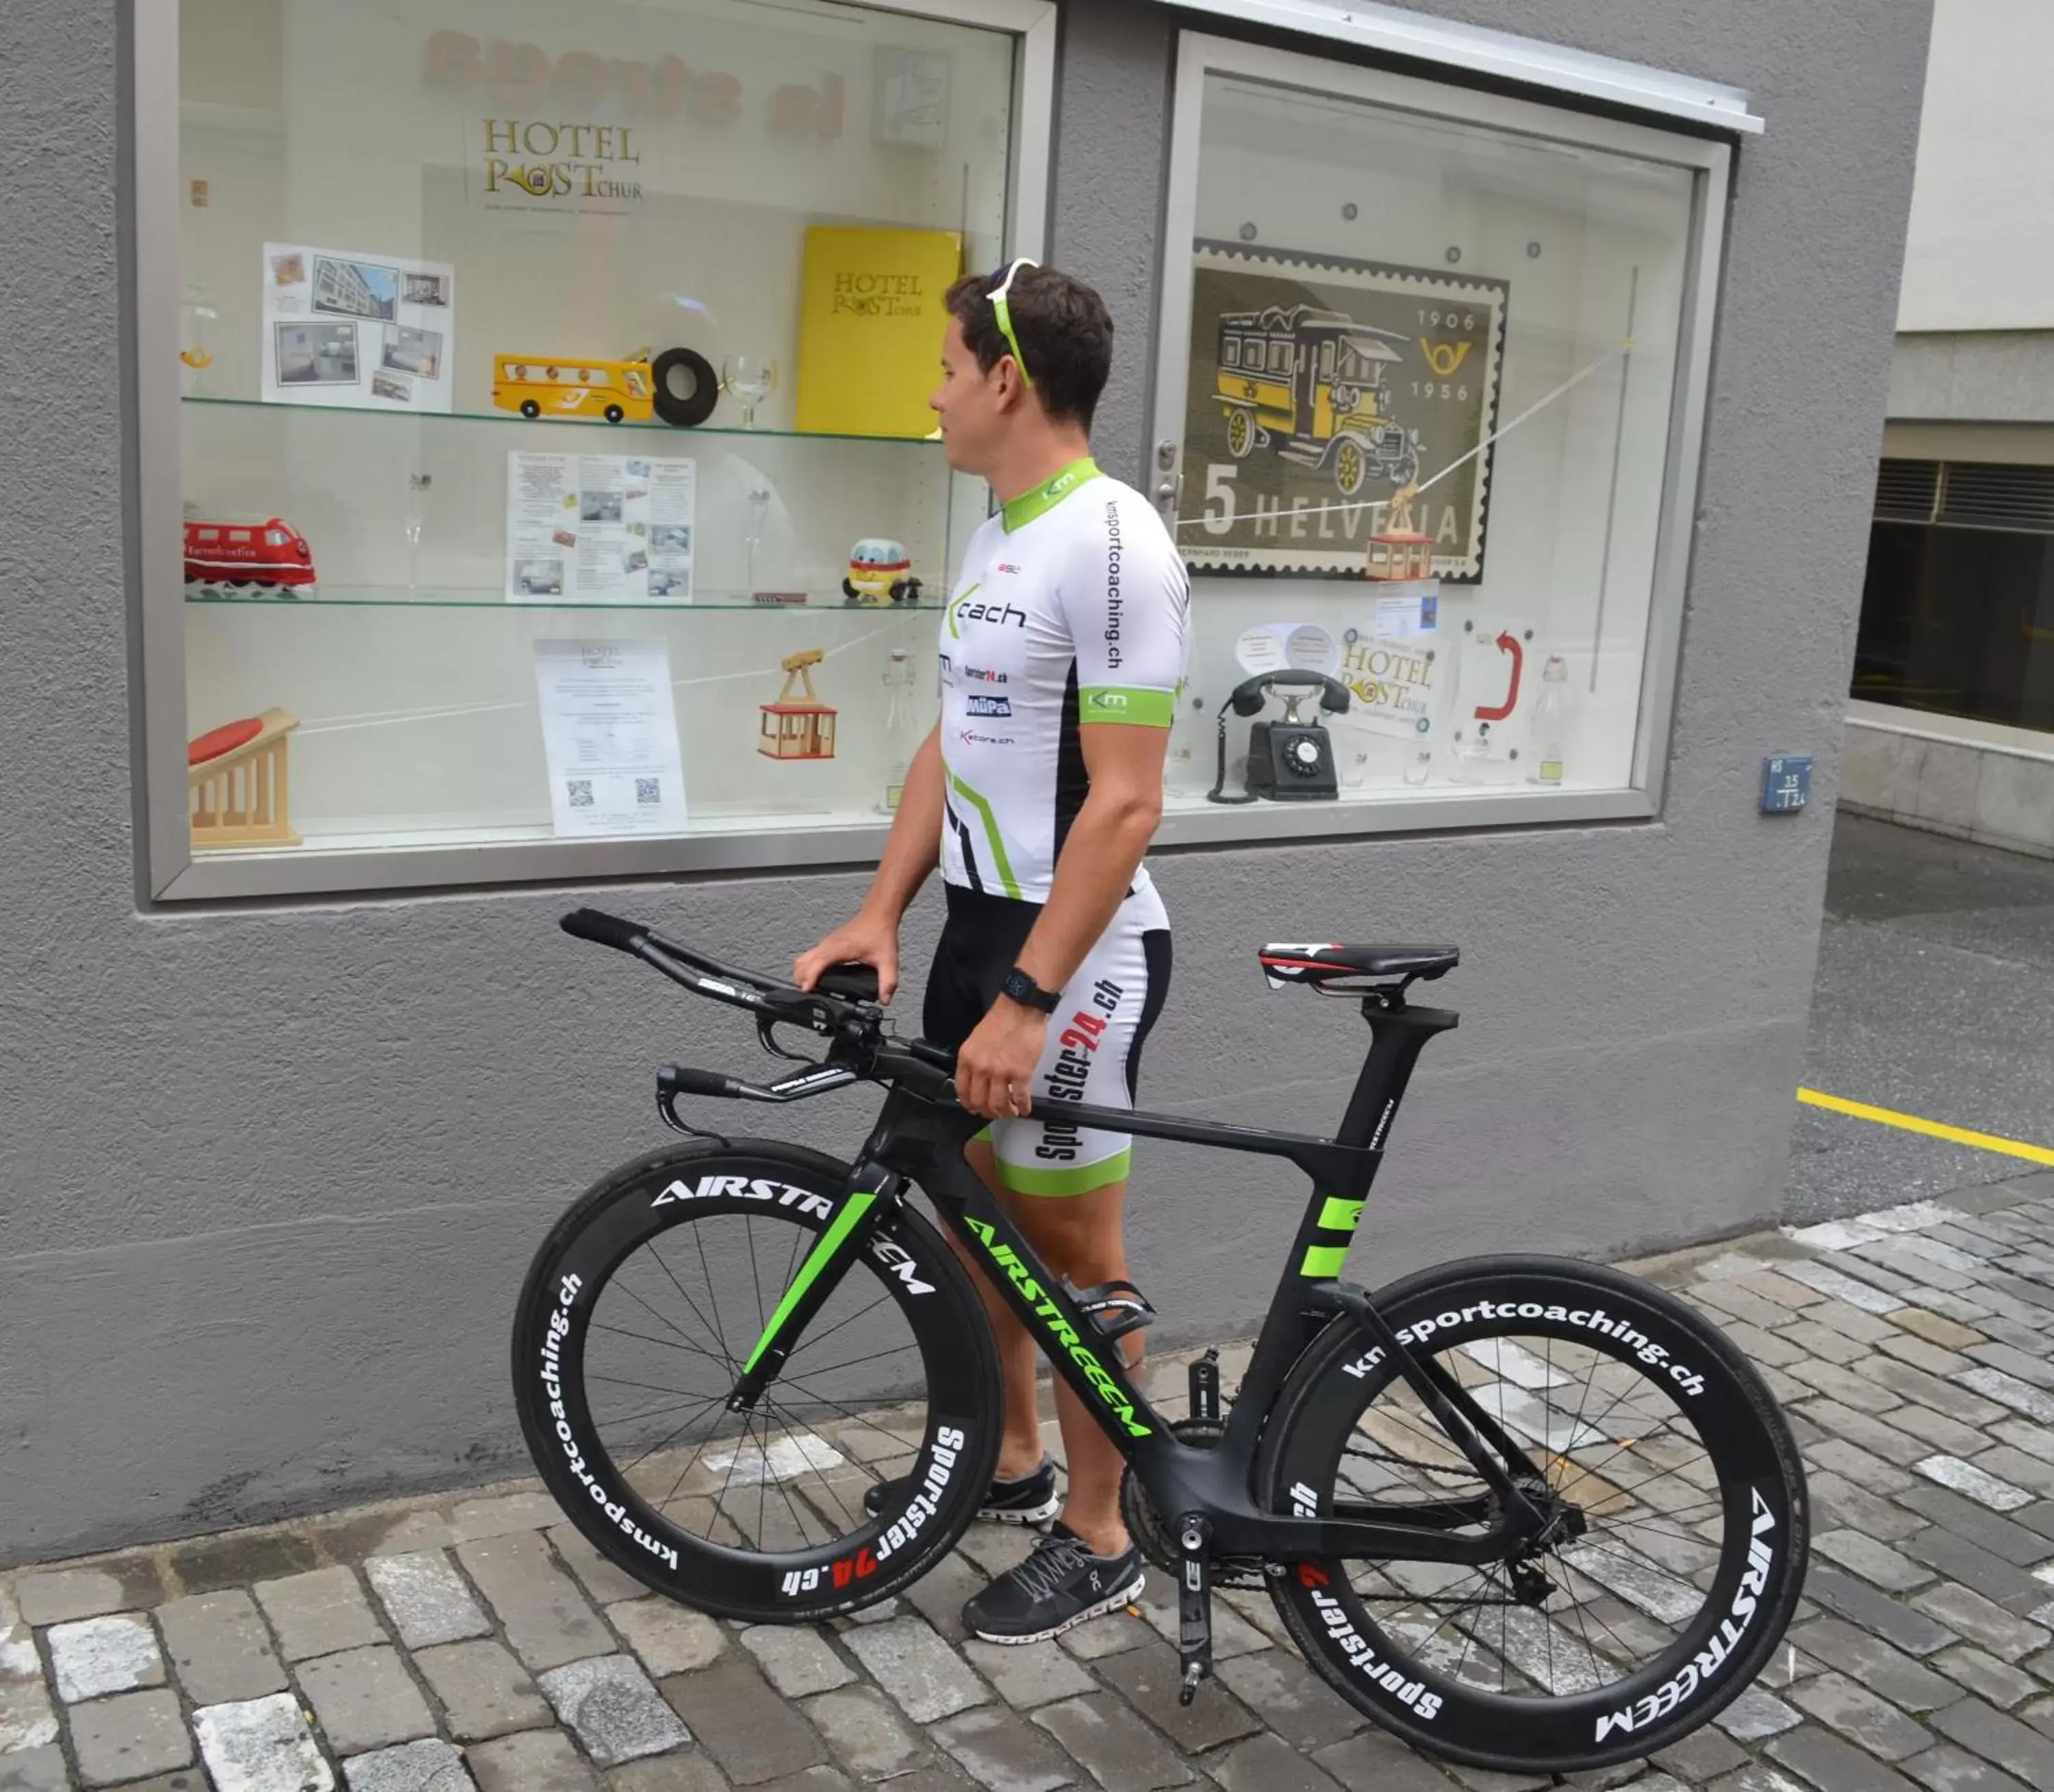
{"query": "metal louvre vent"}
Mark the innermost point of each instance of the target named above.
(1908, 491)
(1991, 496)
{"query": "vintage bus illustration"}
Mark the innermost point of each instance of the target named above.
(1310, 384)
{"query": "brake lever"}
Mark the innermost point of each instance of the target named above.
(766, 1026)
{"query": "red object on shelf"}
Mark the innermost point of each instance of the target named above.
(225, 739)
(267, 553)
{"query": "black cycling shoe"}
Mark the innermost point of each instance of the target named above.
(1057, 1587)
(1031, 1499)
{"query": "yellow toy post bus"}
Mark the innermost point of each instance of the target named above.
(537, 387)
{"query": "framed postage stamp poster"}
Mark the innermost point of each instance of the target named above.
(1332, 401)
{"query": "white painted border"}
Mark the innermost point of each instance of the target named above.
(1478, 50)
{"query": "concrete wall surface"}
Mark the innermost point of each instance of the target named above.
(1979, 254)
(271, 1172)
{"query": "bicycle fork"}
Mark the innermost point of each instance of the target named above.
(847, 1235)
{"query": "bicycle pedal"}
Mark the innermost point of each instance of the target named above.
(1205, 1386)
(1113, 1308)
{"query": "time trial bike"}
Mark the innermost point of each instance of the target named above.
(1528, 1513)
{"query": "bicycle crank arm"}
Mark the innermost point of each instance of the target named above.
(1194, 1605)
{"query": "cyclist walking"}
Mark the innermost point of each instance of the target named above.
(1037, 793)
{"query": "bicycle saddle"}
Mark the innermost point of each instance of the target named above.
(1321, 965)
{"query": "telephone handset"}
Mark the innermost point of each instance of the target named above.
(1291, 760)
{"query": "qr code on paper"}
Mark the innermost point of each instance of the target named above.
(648, 791)
(580, 790)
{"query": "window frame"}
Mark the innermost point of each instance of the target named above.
(169, 871)
(1562, 118)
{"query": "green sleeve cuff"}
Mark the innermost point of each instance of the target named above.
(1127, 704)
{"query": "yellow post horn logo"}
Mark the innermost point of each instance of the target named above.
(1445, 357)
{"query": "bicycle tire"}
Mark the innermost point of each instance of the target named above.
(1761, 1519)
(791, 1567)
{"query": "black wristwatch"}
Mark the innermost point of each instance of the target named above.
(1023, 989)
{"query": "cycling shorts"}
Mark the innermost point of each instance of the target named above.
(1093, 1053)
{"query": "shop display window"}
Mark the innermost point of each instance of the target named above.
(538, 477)
(1430, 394)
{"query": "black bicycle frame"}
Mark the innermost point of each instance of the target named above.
(918, 1137)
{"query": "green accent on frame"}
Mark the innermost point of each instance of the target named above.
(1078, 1179)
(1324, 1261)
(1340, 1215)
(859, 1202)
(998, 858)
(1023, 510)
(1126, 703)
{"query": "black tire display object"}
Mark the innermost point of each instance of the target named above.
(639, 1309)
(687, 388)
(1679, 1554)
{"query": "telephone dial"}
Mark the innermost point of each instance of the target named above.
(1291, 760)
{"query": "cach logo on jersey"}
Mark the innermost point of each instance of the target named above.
(962, 611)
(982, 705)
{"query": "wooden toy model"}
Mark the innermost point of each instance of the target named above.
(238, 791)
(798, 725)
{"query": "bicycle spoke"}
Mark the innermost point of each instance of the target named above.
(713, 1330)
(815, 1338)
(713, 1295)
(763, 1317)
(875, 1356)
(644, 1337)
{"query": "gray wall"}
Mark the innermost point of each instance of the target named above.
(272, 1173)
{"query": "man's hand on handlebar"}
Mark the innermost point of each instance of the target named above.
(866, 940)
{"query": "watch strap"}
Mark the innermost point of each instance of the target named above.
(1023, 989)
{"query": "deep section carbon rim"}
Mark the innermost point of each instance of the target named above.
(637, 1327)
(1674, 1549)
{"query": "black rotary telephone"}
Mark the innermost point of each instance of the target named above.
(1291, 760)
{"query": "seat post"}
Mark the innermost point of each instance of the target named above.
(1398, 1034)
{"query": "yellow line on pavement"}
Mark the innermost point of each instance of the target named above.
(1933, 1129)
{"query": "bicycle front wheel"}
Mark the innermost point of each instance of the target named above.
(637, 1315)
(1678, 1526)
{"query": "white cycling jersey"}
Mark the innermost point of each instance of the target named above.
(1070, 610)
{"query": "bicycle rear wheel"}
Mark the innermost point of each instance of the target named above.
(634, 1319)
(1680, 1544)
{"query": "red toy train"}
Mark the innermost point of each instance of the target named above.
(240, 554)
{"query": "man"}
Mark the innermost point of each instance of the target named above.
(1061, 649)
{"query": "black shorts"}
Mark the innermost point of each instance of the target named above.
(1095, 1036)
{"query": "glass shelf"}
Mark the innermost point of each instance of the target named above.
(598, 427)
(489, 597)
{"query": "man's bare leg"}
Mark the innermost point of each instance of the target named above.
(1079, 1236)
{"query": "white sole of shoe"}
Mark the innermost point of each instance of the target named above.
(1124, 1598)
(1030, 1514)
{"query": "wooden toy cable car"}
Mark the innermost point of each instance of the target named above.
(798, 725)
(238, 792)
(238, 555)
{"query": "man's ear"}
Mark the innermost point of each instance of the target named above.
(1012, 388)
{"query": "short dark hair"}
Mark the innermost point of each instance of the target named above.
(1065, 334)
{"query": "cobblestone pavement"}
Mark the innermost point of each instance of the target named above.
(478, 1643)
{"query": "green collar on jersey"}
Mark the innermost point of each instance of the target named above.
(1021, 511)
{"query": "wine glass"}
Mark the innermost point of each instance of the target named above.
(752, 379)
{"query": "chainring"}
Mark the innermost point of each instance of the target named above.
(1149, 1529)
